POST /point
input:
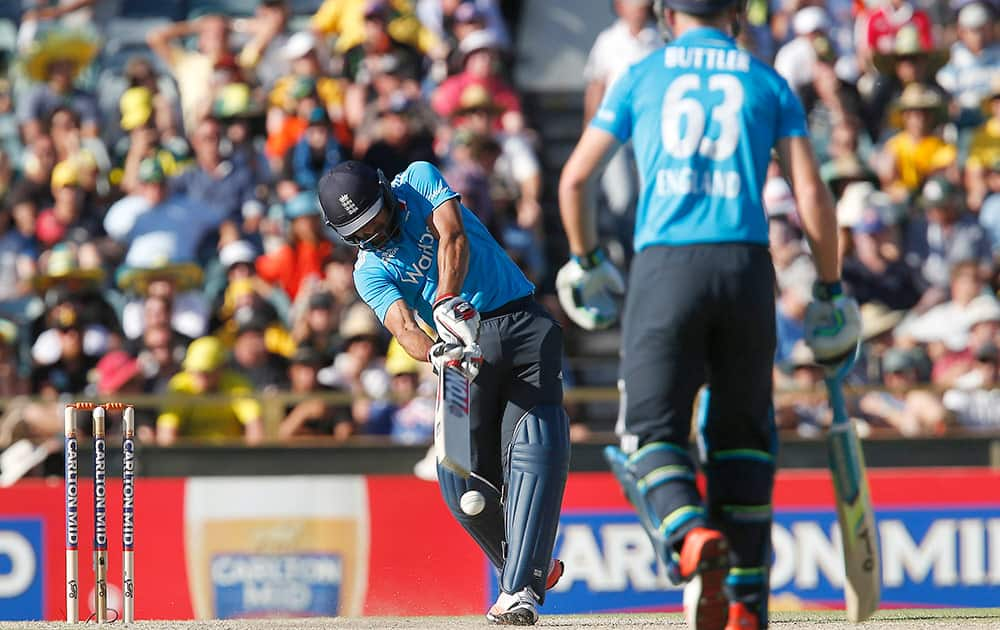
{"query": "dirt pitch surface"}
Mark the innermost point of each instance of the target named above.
(941, 619)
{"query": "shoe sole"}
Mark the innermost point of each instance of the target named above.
(711, 612)
(515, 617)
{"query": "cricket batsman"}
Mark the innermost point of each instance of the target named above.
(423, 254)
(703, 117)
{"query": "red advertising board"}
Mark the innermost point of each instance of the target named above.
(161, 580)
(386, 545)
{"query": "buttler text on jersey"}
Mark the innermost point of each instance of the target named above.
(686, 121)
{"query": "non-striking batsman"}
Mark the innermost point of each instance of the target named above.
(100, 511)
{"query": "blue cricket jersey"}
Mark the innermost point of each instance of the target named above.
(407, 268)
(703, 116)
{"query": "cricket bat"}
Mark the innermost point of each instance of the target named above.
(452, 434)
(854, 510)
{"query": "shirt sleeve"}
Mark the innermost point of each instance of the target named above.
(375, 287)
(791, 116)
(428, 182)
(615, 113)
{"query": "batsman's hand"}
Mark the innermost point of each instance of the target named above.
(466, 359)
(590, 290)
(832, 327)
(456, 320)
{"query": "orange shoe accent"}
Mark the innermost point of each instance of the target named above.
(740, 618)
(704, 560)
(702, 549)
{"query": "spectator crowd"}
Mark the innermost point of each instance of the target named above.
(160, 233)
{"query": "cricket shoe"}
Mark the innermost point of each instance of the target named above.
(556, 570)
(742, 618)
(517, 609)
(704, 561)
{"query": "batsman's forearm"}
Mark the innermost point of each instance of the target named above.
(453, 263)
(815, 206)
(577, 218)
(416, 343)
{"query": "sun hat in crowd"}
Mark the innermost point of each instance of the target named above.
(359, 322)
(205, 354)
(973, 15)
(917, 97)
(810, 20)
(878, 319)
(184, 276)
(59, 45)
(136, 106)
(114, 370)
(237, 252)
(982, 309)
(63, 269)
(478, 40)
(906, 43)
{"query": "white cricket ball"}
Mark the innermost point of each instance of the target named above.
(472, 502)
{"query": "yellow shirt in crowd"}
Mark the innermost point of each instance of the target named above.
(204, 419)
(916, 159)
(984, 150)
(346, 20)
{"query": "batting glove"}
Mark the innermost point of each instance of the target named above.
(466, 359)
(832, 326)
(590, 289)
(456, 320)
